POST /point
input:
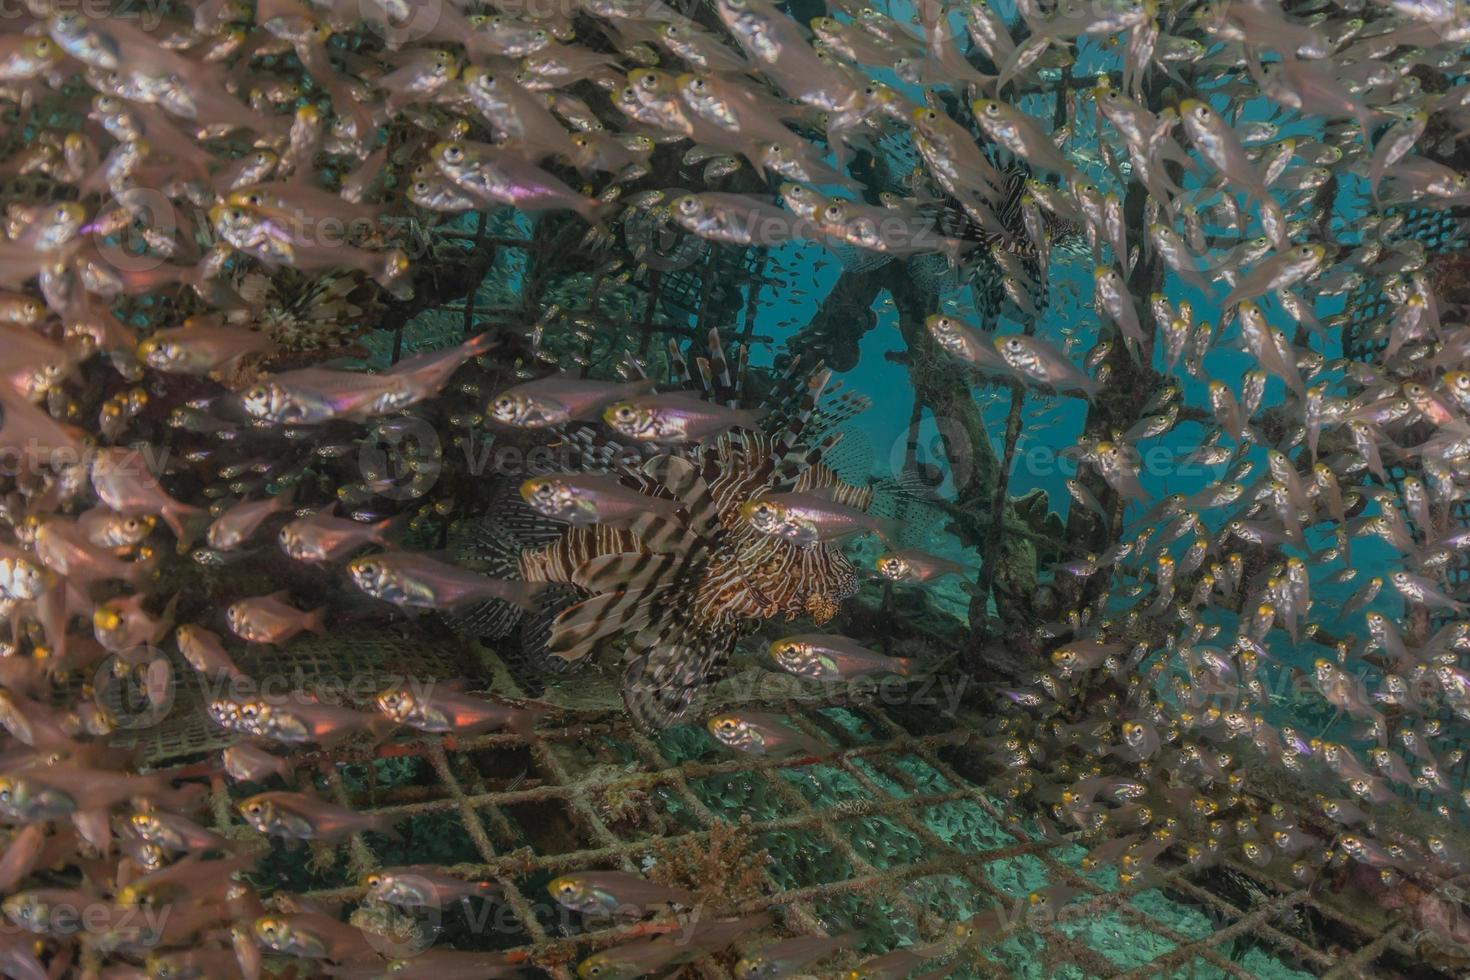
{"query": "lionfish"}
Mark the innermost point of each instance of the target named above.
(679, 592)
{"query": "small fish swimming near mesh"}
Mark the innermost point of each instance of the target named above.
(760, 733)
(305, 817)
(614, 893)
(827, 657)
(415, 580)
(447, 711)
(423, 886)
(911, 565)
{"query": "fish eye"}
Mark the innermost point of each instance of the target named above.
(1203, 111)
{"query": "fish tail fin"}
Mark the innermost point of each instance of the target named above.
(387, 825)
(749, 418)
(173, 515)
(526, 596)
(482, 344)
(384, 529)
(141, 571)
(889, 529)
(903, 666)
(596, 213)
(316, 621)
(381, 727)
(523, 722)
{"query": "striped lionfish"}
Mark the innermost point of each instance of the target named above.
(679, 592)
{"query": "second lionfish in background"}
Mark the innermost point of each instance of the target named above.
(661, 554)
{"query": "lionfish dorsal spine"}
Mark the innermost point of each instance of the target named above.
(724, 391)
(678, 367)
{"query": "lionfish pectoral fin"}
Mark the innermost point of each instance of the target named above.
(664, 685)
(624, 571)
(579, 630)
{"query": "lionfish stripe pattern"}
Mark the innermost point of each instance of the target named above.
(678, 592)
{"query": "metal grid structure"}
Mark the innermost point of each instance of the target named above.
(910, 845)
(908, 842)
(1439, 231)
(315, 665)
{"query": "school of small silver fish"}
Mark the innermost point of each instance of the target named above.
(170, 172)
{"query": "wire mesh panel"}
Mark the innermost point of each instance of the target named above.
(881, 832)
(350, 664)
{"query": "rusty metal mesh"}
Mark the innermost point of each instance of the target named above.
(884, 834)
